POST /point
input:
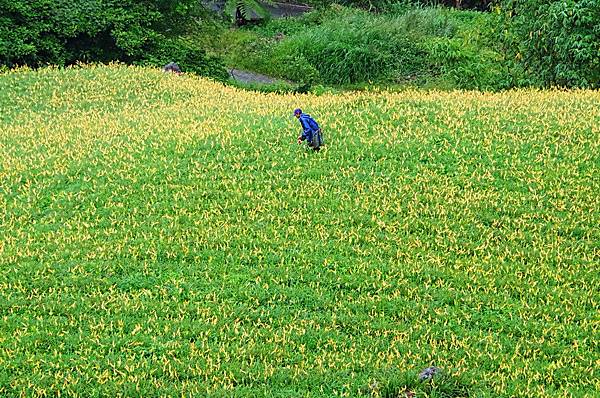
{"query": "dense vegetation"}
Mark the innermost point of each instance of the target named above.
(432, 47)
(380, 5)
(164, 235)
(555, 42)
(516, 43)
(64, 32)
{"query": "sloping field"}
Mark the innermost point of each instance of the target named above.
(164, 235)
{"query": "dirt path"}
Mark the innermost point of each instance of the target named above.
(283, 10)
(251, 77)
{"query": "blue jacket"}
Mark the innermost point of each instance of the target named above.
(309, 125)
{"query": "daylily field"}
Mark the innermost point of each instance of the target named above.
(164, 235)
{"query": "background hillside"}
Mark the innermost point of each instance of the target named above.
(454, 44)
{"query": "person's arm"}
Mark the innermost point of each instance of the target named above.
(306, 131)
(305, 134)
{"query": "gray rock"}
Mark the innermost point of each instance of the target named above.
(172, 67)
(428, 373)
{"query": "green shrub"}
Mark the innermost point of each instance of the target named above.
(354, 47)
(188, 56)
(466, 66)
(251, 52)
(554, 42)
(298, 68)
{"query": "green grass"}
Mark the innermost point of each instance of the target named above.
(163, 235)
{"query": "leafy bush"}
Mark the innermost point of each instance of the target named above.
(242, 11)
(299, 69)
(246, 50)
(188, 56)
(466, 66)
(62, 32)
(556, 42)
(428, 21)
(352, 47)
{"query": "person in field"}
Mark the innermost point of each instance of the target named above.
(311, 131)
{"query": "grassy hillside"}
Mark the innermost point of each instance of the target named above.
(164, 235)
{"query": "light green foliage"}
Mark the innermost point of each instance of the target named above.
(350, 47)
(164, 235)
(465, 66)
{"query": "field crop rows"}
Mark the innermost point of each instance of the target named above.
(164, 235)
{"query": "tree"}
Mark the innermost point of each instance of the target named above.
(62, 32)
(556, 42)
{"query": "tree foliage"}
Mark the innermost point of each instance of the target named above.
(61, 32)
(556, 42)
